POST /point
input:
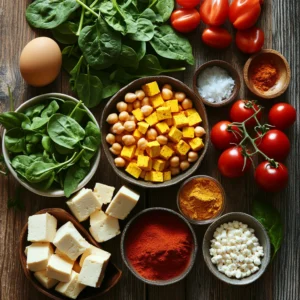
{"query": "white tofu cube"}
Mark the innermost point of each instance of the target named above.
(57, 251)
(122, 204)
(59, 268)
(38, 255)
(83, 204)
(93, 270)
(72, 288)
(41, 277)
(93, 251)
(103, 192)
(41, 228)
(103, 227)
(69, 241)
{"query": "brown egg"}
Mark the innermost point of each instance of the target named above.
(40, 61)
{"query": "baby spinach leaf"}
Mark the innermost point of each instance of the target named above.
(120, 75)
(15, 140)
(34, 111)
(66, 33)
(46, 184)
(62, 150)
(144, 32)
(128, 57)
(79, 115)
(111, 89)
(70, 57)
(33, 137)
(150, 15)
(164, 8)
(21, 163)
(38, 123)
(10, 120)
(50, 110)
(47, 144)
(74, 176)
(75, 73)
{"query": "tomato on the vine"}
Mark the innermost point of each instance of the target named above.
(232, 162)
(241, 110)
(250, 40)
(282, 115)
(185, 19)
(275, 144)
(271, 178)
(222, 138)
(188, 3)
(214, 12)
(216, 37)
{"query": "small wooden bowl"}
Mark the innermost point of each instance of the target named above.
(132, 87)
(112, 275)
(231, 71)
(282, 66)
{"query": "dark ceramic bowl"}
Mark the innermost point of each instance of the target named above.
(132, 87)
(158, 282)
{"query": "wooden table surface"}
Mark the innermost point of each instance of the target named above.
(280, 22)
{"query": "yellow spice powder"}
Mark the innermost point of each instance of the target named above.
(201, 199)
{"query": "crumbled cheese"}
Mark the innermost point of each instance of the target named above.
(215, 84)
(236, 250)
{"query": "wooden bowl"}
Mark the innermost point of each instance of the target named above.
(112, 275)
(132, 87)
(282, 66)
(231, 71)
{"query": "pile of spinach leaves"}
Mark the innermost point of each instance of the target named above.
(111, 42)
(51, 144)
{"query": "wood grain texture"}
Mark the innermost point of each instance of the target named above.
(280, 21)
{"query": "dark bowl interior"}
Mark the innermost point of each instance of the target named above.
(132, 87)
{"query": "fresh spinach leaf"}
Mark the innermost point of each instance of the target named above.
(74, 176)
(34, 111)
(47, 144)
(10, 120)
(50, 110)
(38, 123)
(66, 33)
(144, 32)
(33, 137)
(70, 57)
(150, 15)
(15, 140)
(21, 163)
(120, 75)
(75, 72)
(79, 115)
(128, 58)
(164, 8)
(111, 89)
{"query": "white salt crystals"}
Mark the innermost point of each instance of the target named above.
(215, 84)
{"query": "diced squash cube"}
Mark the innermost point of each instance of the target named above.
(152, 119)
(138, 114)
(167, 175)
(151, 89)
(159, 165)
(162, 127)
(153, 149)
(163, 113)
(173, 104)
(128, 152)
(144, 162)
(157, 176)
(166, 152)
(190, 111)
(133, 170)
(182, 147)
(175, 134)
(142, 127)
(180, 120)
(156, 100)
(137, 134)
(188, 132)
(194, 119)
(196, 144)
(170, 122)
(138, 152)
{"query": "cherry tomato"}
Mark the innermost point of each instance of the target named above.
(214, 12)
(216, 37)
(275, 144)
(222, 138)
(270, 178)
(240, 112)
(243, 14)
(282, 115)
(231, 163)
(250, 40)
(188, 3)
(185, 19)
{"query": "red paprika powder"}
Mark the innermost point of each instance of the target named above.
(159, 245)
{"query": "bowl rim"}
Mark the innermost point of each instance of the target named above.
(232, 72)
(267, 250)
(208, 221)
(193, 253)
(57, 192)
(176, 179)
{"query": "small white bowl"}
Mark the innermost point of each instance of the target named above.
(58, 192)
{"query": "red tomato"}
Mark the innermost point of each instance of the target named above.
(188, 3)
(275, 144)
(282, 115)
(221, 137)
(240, 112)
(185, 19)
(216, 37)
(214, 12)
(250, 40)
(271, 179)
(243, 14)
(231, 163)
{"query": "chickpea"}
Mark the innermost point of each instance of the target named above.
(166, 94)
(130, 97)
(129, 126)
(124, 116)
(187, 103)
(199, 131)
(118, 128)
(136, 104)
(120, 162)
(174, 162)
(112, 119)
(192, 156)
(145, 101)
(180, 96)
(147, 110)
(163, 140)
(142, 144)
(140, 94)
(151, 134)
(168, 86)
(175, 171)
(129, 107)
(122, 106)
(132, 118)
(116, 148)
(110, 138)
(184, 165)
(128, 140)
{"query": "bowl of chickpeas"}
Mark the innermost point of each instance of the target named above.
(155, 132)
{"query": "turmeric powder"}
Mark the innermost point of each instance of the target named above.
(201, 199)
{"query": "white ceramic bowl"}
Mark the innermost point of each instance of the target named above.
(58, 192)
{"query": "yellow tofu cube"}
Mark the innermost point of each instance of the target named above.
(137, 134)
(180, 120)
(153, 149)
(151, 89)
(159, 165)
(162, 127)
(188, 132)
(142, 127)
(173, 104)
(133, 170)
(138, 152)
(128, 152)
(157, 176)
(156, 100)
(167, 175)
(182, 147)
(163, 113)
(169, 122)
(166, 152)
(144, 162)
(196, 144)
(190, 111)
(152, 119)
(138, 114)
(148, 176)
(175, 134)
(194, 119)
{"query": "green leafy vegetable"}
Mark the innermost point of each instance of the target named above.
(15, 140)
(164, 8)
(74, 176)
(144, 32)
(10, 120)
(66, 33)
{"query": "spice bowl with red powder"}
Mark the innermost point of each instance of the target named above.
(159, 246)
(267, 74)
